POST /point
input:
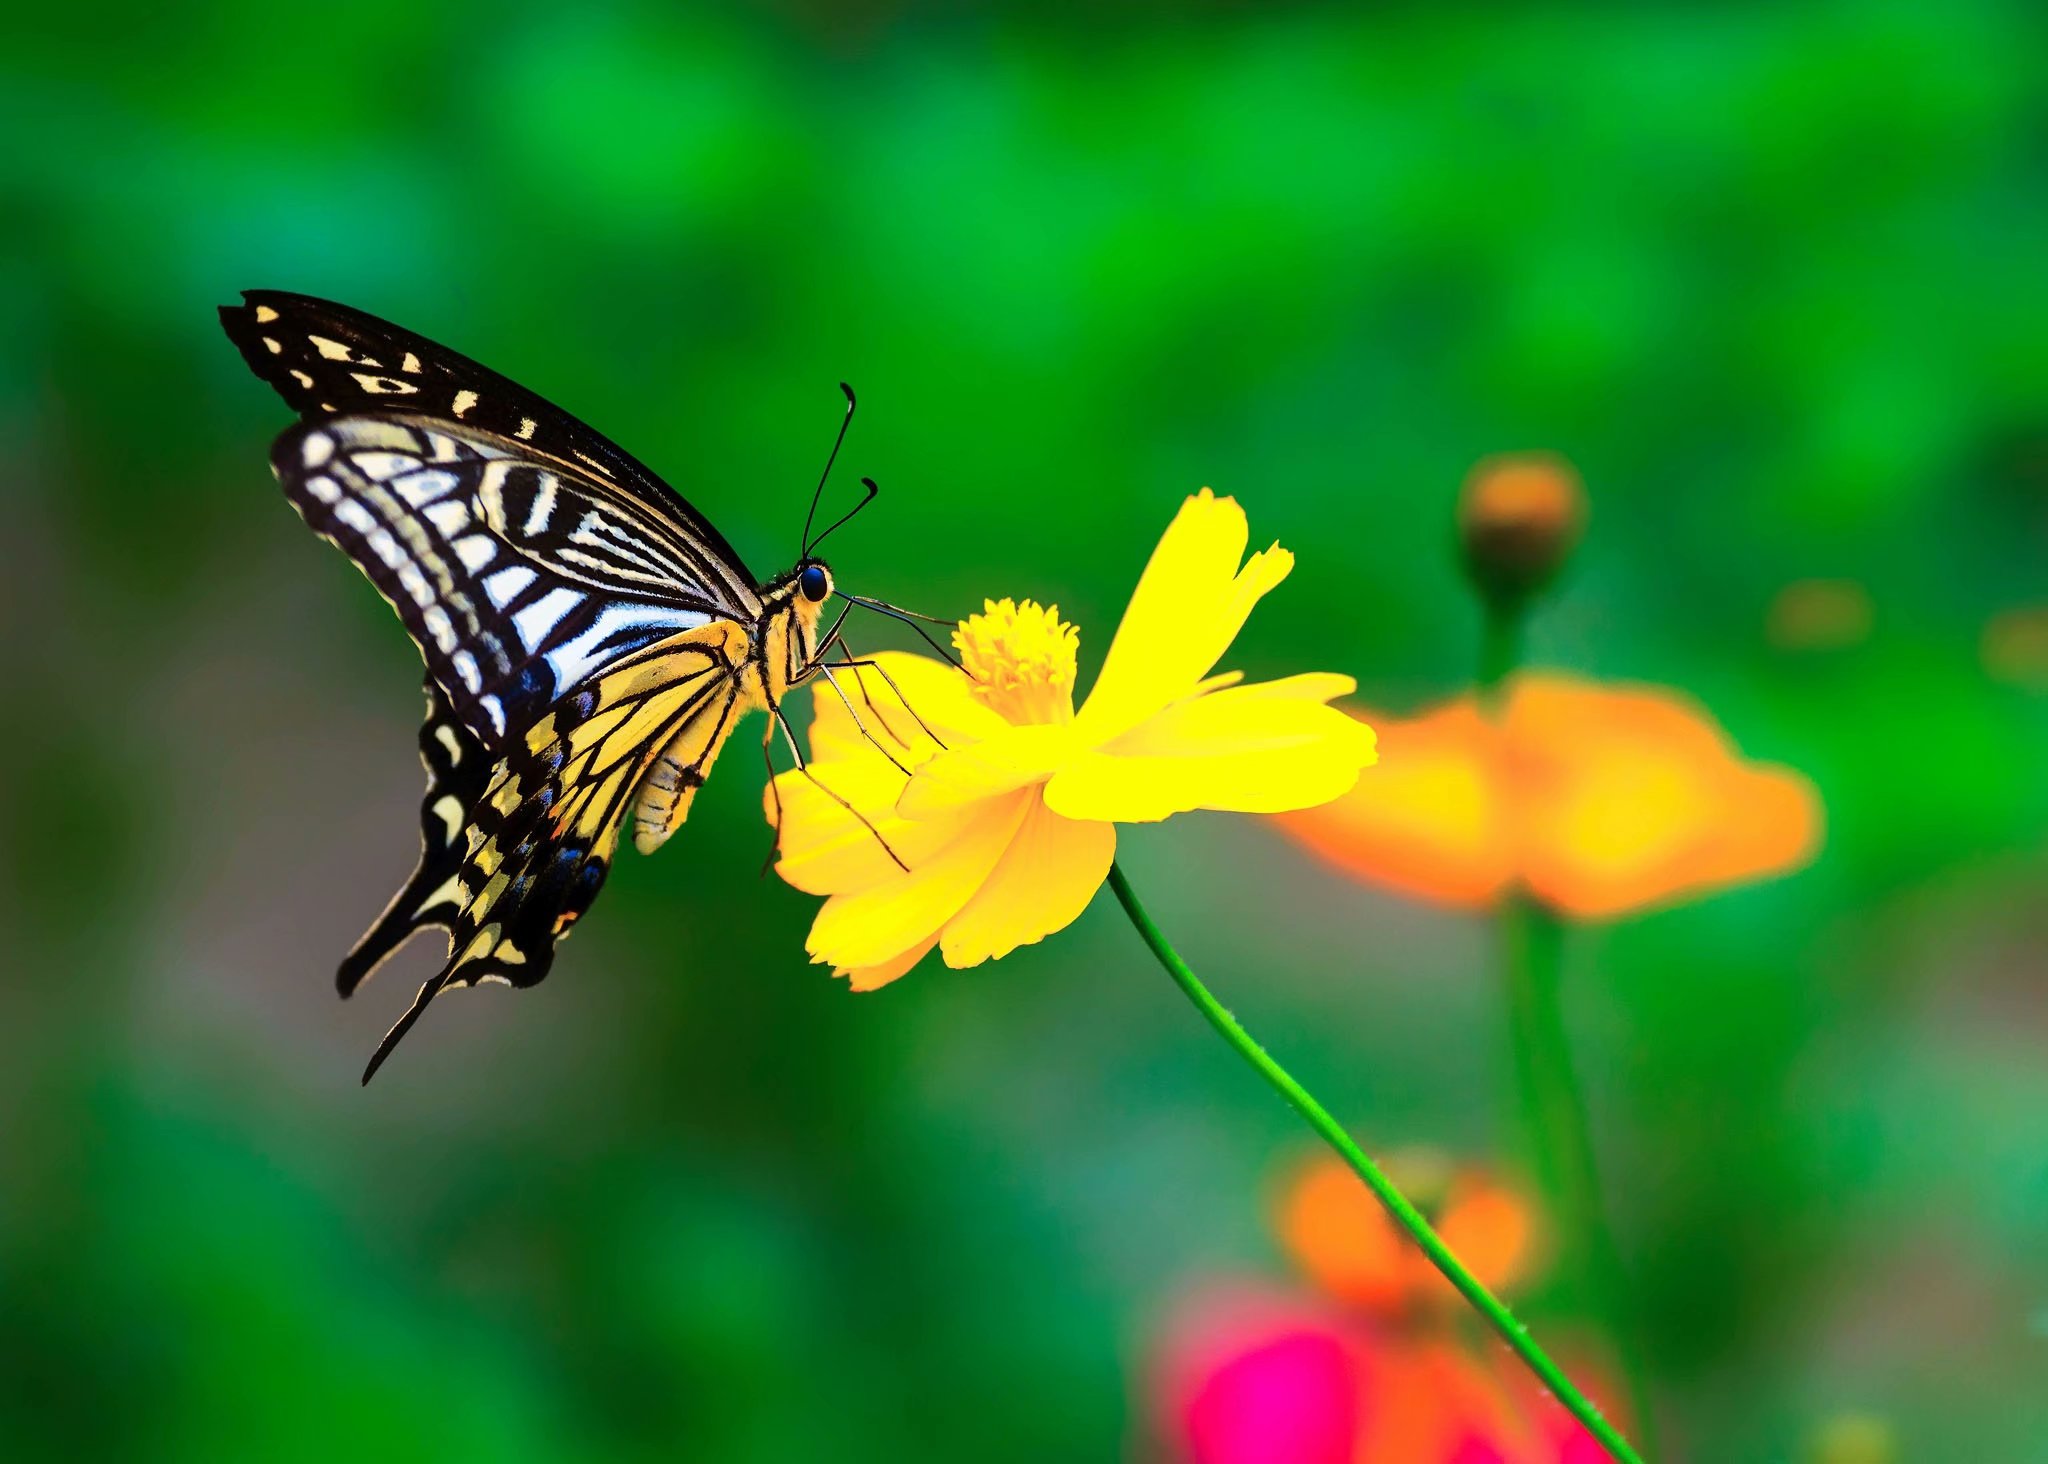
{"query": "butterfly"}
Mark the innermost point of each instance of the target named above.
(590, 638)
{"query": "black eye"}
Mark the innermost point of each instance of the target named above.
(814, 583)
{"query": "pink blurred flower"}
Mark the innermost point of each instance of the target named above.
(1254, 1378)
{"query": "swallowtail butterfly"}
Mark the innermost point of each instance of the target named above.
(590, 639)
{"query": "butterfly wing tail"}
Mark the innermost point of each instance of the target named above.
(403, 1025)
(517, 947)
(458, 771)
(533, 854)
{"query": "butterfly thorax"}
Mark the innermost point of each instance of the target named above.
(785, 636)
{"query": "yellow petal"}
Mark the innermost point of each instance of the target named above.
(1189, 605)
(868, 978)
(876, 924)
(1046, 878)
(825, 849)
(1013, 758)
(900, 699)
(1308, 686)
(1251, 749)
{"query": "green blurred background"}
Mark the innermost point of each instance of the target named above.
(1777, 281)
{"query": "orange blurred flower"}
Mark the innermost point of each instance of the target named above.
(1371, 1371)
(1343, 1240)
(1598, 800)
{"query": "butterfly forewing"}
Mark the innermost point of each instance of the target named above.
(503, 630)
(326, 359)
(585, 533)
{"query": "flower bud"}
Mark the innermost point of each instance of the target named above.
(1519, 518)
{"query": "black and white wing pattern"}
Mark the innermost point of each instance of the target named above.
(327, 359)
(516, 578)
(583, 627)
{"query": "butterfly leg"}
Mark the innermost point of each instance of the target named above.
(789, 738)
(831, 639)
(911, 619)
(834, 640)
(774, 792)
(857, 666)
(862, 727)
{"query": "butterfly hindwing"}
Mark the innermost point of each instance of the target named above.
(327, 359)
(458, 770)
(539, 839)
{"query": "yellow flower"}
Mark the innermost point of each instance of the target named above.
(1001, 800)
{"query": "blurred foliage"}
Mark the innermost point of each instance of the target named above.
(1771, 278)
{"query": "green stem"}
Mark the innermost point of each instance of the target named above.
(1405, 1215)
(1561, 1139)
(1500, 652)
(1561, 1136)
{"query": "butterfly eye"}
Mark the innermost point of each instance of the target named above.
(814, 583)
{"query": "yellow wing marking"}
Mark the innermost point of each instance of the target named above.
(662, 799)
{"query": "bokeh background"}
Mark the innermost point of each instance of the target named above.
(1775, 280)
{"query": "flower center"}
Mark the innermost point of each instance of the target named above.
(1021, 658)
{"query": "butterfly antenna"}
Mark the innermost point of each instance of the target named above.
(833, 457)
(869, 497)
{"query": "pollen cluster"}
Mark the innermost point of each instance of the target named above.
(1022, 659)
